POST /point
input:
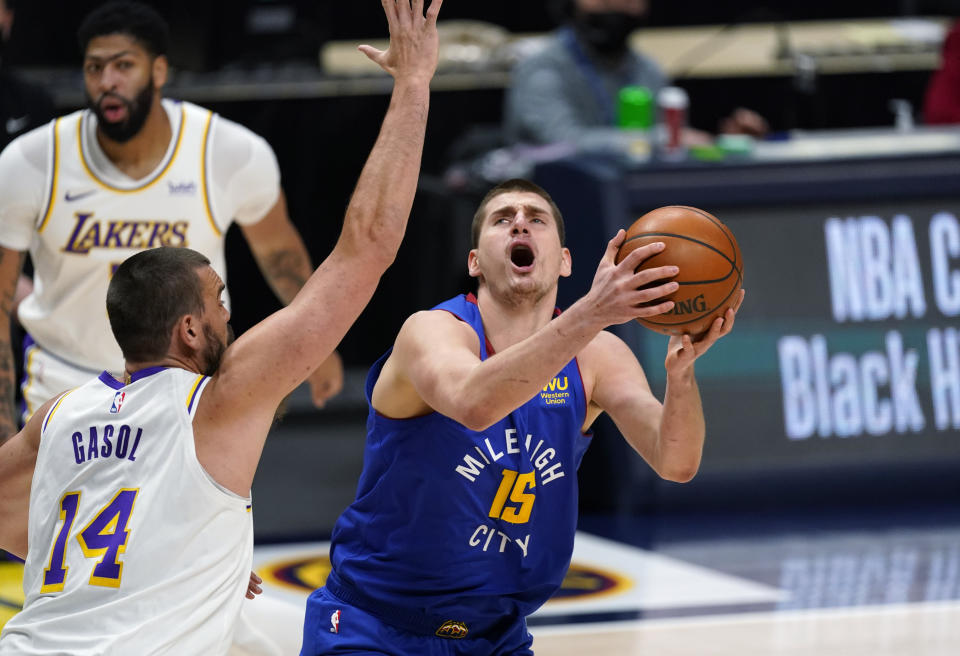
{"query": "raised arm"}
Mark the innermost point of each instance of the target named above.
(670, 436)
(285, 264)
(276, 355)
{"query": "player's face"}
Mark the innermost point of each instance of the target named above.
(121, 82)
(518, 251)
(216, 330)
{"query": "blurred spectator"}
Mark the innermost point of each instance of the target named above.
(23, 105)
(571, 86)
(942, 102)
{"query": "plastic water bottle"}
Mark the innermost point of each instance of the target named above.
(635, 108)
(673, 103)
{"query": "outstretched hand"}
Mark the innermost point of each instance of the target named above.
(683, 350)
(414, 41)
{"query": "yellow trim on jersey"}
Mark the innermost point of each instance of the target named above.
(46, 422)
(56, 168)
(148, 183)
(203, 174)
(193, 388)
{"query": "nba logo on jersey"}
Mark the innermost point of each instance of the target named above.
(335, 622)
(117, 401)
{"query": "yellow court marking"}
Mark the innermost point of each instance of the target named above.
(11, 590)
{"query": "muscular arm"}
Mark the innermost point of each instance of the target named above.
(435, 365)
(285, 264)
(277, 354)
(669, 436)
(18, 456)
(279, 251)
(11, 262)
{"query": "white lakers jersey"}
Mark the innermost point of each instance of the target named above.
(134, 549)
(88, 226)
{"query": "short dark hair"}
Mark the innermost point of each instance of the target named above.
(148, 294)
(516, 184)
(135, 19)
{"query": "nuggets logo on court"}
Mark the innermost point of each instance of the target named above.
(555, 392)
(452, 629)
(335, 622)
(118, 399)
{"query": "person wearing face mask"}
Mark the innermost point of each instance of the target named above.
(571, 86)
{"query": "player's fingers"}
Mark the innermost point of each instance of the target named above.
(417, 8)
(371, 52)
(729, 318)
(433, 11)
(637, 256)
(716, 330)
(652, 292)
(610, 255)
(255, 578)
(653, 274)
(404, 13)
(390, 9)
(654, 310)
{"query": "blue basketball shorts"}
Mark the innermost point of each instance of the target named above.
(332, 626)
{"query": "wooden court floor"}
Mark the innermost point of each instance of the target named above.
(911, 630)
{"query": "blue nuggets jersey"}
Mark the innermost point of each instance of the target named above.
(456, 525)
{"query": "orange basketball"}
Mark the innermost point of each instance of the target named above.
(707, 254)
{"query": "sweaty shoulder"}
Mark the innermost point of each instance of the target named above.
(23, 172)
(244, 171)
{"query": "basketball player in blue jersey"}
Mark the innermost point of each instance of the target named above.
(465, 512)
(131, 171)
(130, 501)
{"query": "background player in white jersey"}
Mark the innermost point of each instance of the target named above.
(138, 541)
(132, 171)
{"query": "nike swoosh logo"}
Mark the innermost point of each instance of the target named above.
(14, 125)
(83, 194)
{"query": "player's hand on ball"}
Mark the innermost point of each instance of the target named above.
(683, 350)
(620, 293)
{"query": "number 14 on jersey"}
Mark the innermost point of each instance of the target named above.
(104, 537)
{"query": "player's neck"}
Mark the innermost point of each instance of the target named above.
(172, 360)
(141, 155)
(506, 322)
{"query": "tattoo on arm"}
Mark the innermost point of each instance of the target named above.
(286, 272)
(8, 422)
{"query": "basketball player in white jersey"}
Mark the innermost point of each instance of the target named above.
(129, 500)
(132, 171)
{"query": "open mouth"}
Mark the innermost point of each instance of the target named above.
(113, 109)
(521, 256)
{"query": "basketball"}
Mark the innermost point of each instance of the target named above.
(707, 254)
